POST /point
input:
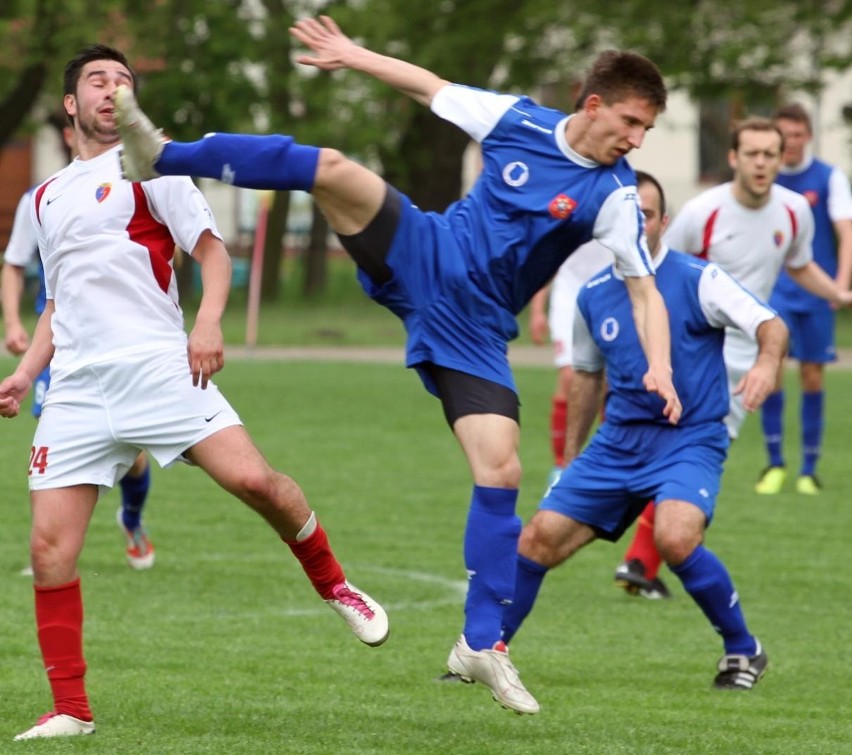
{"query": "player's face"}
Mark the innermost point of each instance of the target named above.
(655, 223)
(619, 128)
(755, 164)
(92, 106)
(796, 138)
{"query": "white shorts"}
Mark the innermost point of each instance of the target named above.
(740, 354)
(587, 260)
(97, 419)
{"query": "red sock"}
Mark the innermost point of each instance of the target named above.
(319, 563)
(59, 623)
(558, 423)
(643, 546)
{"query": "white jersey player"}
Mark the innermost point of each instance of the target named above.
(752, 228)
(127, 378)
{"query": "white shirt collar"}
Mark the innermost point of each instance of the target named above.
(568, 150)
(792, 170)
(656, 260)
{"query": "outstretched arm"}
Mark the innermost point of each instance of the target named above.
(759, 381)
(843, 234)
(584, 400)
(652, 325)
(813, 278)
(206, 344)
(539, 328)
(14, 388)
(11, 286)
(332, 49)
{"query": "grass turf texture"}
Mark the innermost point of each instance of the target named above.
(224, 648)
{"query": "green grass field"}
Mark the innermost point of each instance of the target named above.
(224, 648)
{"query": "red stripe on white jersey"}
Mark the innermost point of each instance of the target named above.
(792, 213)
(708, 234)
(144, 229)
(39, 194)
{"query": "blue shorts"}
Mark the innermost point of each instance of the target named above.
(40, 386)
(448, 319)
(811, 332)
(625, 466)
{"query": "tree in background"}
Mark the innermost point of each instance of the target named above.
(227, 65)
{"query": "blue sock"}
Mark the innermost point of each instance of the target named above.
(772, 419)
(134, 491)
(707, 580)
(527, 584)
(253, 162)
(490, 556)
(812, 424)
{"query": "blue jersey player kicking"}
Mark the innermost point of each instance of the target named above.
(550, 183)
(636, 454)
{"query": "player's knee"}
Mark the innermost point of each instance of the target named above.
(268, 491)
(331, 164)
(533, 545)
(255, 485)
(510, 472)
(53, 562)
(505, 473)
(538, 543)
(675, 546)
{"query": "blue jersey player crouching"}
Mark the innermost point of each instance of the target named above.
(550, 182)
(636, 455)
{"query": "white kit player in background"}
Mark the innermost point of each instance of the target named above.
(752, 227)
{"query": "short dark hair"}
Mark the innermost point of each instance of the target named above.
(753, 123)
(794, 112)
(616, 75)
(646, 178)
(74, 67)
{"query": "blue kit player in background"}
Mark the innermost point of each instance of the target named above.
(636, 454)
(21, 252)
(810, 319)
(550, 183)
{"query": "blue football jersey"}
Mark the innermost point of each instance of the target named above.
(702, 300)
(813, 183)
(536, 200)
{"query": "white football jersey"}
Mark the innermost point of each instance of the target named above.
(23, 245)
(750, 245)
(107, 246)
(590, 258)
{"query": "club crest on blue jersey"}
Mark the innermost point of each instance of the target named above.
(812, 196)
(102, 192)
(516, 173)
(609, 329)
(561, 206)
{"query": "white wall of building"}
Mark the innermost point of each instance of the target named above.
(670, 151)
